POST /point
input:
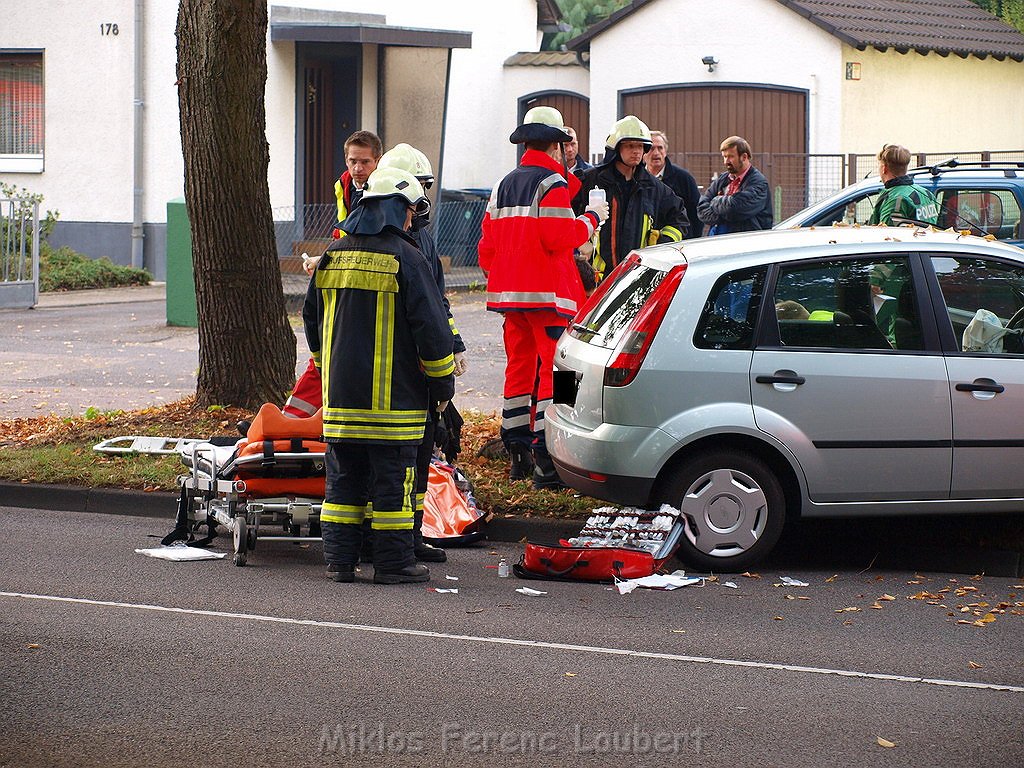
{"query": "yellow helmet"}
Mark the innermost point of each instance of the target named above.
(407, 158)
(394, 182)
(629, 128)
(541, 124)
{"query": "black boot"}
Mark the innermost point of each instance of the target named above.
(425, 553)
(544, 474)
(522, 462)
(341, 573)
(411, 574)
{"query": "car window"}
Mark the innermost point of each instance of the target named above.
(605, 323)
(855, 211)
(985, 303)
(982, 212)
(859, 304)
(730, 312)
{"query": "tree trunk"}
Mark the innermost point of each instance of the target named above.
(246, 345)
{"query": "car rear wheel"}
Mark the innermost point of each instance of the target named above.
(734, 508)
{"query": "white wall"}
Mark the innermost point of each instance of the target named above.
(88, 114)
(755, 41)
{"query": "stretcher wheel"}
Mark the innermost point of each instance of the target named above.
(240, 538)
(251, 539)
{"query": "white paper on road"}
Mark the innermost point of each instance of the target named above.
(181, 554)
(450, 591)
(790, 582)
(528, 591)
(667, 581)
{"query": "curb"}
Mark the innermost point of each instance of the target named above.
(162, 505)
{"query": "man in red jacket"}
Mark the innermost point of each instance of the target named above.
(526, 250)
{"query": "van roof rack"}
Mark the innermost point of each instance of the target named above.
(973, 165)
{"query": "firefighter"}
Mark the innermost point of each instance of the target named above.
(408, 158)
(376, 325)
(526, 250)
(643, 210)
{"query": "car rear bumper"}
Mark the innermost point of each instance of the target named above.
(618, 489)
(614, 462)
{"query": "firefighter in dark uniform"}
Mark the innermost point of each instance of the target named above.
(408, 158)
(376, 325)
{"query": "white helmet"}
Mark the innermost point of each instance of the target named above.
(394, 182)
(407, 158)
(541, 124)
(629, 128)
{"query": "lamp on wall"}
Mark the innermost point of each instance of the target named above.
(709, 62)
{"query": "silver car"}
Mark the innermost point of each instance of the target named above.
(837, 371)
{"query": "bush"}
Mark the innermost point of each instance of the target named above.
(63, 269)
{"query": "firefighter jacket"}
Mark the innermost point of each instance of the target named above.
(528, 235)
(376, 326)
(641, 212)
(425, 240)
(902, 197)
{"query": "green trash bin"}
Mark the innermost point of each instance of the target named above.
(181, 286)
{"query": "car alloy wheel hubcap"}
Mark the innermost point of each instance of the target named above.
(726, 512)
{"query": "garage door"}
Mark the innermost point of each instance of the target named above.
(696, 119)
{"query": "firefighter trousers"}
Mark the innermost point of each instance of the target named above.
(361, 477)
(530, 339)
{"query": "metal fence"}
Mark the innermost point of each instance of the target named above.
(19, 253)
(456, 231)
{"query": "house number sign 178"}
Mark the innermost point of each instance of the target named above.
(108, 29)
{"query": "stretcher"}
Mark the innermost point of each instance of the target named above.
(270, 486)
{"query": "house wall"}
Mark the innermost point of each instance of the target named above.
(663, 43)
(89, 104)
(954, 104)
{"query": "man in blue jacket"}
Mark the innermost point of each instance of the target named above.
(740, 200)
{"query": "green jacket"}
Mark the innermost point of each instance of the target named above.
(902, 197)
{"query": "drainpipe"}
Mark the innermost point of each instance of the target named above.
(137, 231)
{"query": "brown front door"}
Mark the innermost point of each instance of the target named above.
(320, 162)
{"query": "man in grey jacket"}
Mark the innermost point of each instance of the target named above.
(740, 200)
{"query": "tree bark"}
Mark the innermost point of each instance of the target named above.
(246, 345)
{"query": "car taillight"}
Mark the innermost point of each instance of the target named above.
(637, 340)
(602, 288)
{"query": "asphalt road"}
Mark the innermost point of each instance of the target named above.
(113, 349)
(109, 658)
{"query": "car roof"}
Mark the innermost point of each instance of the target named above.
(810, 242)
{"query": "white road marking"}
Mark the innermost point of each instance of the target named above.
(529, 643)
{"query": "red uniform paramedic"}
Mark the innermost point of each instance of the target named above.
(528, 235)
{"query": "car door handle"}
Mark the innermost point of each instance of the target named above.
(781, 377)
(979, 387)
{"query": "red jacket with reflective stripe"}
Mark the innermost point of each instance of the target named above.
(529, 233)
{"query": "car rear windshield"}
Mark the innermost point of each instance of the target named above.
(605, 323)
